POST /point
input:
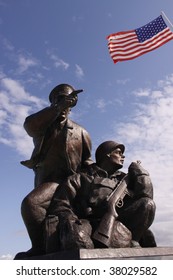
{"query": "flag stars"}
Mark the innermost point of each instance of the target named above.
(149, 30)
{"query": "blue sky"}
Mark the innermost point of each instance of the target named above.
(44, 43)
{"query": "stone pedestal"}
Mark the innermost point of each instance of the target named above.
(156, 253)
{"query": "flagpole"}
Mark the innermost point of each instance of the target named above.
(163, 14)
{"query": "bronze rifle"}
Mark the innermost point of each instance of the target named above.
(104, 231)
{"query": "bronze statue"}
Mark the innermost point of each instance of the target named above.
(83, 200)
(62, 148)
(76, 203)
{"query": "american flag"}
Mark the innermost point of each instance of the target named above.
(128, 45)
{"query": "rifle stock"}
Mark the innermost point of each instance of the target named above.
(103, 233)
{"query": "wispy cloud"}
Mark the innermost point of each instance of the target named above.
(58, 62)
(79, 72)
(7, 44)
(77, 18)
(16, 104)
(102, 104)
(123, 81)
(148, 136)
(6, 257)
(142, 92)
(25, 62)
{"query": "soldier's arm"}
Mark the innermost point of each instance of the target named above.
(36, 124)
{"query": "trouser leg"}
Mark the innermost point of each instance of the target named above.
(138, 216)
(34, 208)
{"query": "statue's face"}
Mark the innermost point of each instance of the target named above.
(62, 101)
(117, 158)
(56, 99)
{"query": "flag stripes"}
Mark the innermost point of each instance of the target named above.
(126, 45)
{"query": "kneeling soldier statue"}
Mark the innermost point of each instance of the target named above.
(108, 208)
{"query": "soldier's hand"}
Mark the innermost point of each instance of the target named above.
(65, 101)
(70, 100)
(136, 169)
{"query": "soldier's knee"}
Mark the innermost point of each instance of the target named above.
(149, 209)
(27, 203)
(148, 203)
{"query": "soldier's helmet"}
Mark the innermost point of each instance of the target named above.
(106, 148)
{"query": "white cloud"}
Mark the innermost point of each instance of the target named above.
(7, 44)
(77, 18)
(123, 81)
(163, 232)
(101, 104)
(6, 257)
(16, 91)
(58, 62)
(156, 94)
(142, 92)
(26, 62)
(16, 104)
(79, 72)
(148, 137)
(3, 115)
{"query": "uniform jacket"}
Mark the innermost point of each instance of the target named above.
(82, 193)
(78, 143)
